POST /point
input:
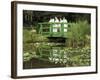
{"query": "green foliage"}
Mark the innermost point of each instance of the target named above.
(78, 44)
(77, 34)
(29, 36)
(78, 56)
(38, 38)
(74, 56)
(26, 35)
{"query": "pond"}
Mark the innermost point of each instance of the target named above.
(51, 55)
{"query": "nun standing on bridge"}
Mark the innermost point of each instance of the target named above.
(65, 23)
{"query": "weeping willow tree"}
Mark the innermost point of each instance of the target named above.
(79, 34)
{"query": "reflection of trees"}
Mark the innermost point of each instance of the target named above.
(61, 55)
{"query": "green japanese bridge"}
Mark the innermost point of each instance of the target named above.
(53, 29)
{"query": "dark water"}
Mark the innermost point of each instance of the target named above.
(57, 56)
(37, 63)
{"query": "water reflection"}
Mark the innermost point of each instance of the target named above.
(56, 56)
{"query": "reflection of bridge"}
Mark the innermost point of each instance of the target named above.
(52, 56)
(47, 57)
(55, 54)
(53, 29)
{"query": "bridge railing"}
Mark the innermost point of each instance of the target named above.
(53, 29)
